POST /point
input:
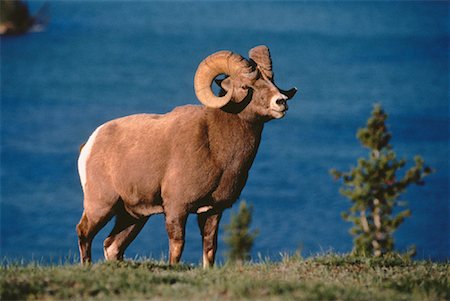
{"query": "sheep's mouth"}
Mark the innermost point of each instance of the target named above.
(280, 110)
(279, 113)
(278, 107)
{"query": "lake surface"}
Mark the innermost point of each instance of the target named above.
(100, 60)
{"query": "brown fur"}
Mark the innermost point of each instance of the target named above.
(174, 164)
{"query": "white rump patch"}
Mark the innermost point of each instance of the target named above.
(84, 156)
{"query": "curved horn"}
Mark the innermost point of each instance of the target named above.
(289, 93)
(222, 62)
(261, 56)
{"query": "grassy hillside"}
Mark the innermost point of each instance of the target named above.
(328, 277)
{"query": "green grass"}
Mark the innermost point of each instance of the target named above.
(329, 277)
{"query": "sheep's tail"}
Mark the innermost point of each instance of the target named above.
(81, 146)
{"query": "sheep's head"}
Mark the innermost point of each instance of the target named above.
(248, 84)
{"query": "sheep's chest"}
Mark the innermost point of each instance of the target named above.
(233, 178)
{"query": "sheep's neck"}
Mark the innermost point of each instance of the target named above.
(233, 144)
(233, 141)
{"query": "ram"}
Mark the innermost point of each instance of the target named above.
(194, 159)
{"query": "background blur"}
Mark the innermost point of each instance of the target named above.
(98, 60)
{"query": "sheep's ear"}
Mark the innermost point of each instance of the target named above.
(225, 84)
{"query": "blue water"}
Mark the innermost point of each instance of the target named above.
(100, 60)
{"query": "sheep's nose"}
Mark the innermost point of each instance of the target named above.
(281, 101)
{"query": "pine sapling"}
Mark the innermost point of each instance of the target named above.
(239, 238)
(374, 189)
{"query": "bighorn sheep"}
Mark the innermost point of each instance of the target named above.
(194, 159)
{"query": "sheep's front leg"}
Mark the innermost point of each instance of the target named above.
(209, 225)
(175, 225)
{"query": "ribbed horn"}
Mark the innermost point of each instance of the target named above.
(261, 56)
(222, 62)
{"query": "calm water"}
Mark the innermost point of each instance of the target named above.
(101, 60)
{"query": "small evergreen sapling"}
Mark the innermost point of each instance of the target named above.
(239, 238)
(374, 189)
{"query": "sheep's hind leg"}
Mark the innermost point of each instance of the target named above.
(209, 225)
(87, 228)
(124, 232)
